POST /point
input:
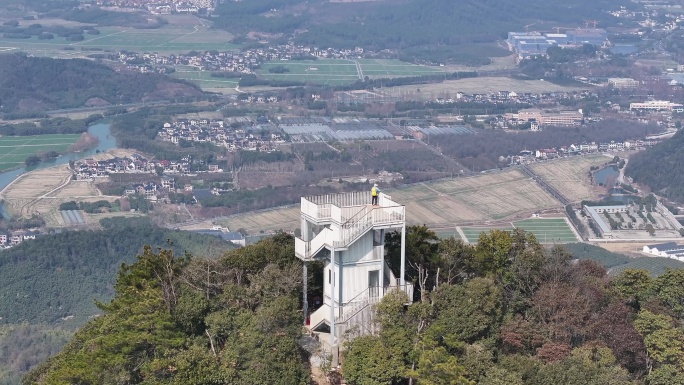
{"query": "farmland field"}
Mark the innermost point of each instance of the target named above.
(269, 220)
(167, 39)
(547, 230)
(15, 149)
(341, 71)
(488, 197)
(441, 204)
(570, 176)
(477, 86)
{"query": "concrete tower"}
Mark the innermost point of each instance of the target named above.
(347, 233)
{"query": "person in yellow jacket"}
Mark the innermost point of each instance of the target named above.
(375, 192)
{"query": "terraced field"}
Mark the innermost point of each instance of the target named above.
(442, 204)
(478, 199)
(570, 176)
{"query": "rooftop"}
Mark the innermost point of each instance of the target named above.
(349, 207)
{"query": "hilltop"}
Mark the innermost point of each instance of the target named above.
(504, 311)
(39, 84)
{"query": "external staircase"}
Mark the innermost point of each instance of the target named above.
(356, 275)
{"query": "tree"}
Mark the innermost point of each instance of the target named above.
(455, 261)
(666, 375)
(492, 253)
(368, 361)
(421, 256)
(500, 376)
(669, 288)
(613, 326)
(466, 313)
(587, 365)
(32, 160)
(664, 342)
(650, 229)
(437, 367)
(136, 331)
(632, 285)
(402, 328)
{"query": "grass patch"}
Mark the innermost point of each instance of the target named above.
(166, 39)
(473, 233)
(554, 230)
(654, 265)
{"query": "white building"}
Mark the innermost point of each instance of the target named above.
(623, 83)
(348, 234)
(666, 250)
(656, 105)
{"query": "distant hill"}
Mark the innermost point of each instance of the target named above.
(61, 275)
(401, 24)
(39, 84)
(660, 168)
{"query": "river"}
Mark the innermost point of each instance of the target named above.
(106, 142)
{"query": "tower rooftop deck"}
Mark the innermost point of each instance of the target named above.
(345, 207)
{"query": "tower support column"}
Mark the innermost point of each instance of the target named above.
(402, 280)
(305, 300)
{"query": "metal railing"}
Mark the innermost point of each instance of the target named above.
(343, 208)
(366, 298)
(308, 249)
(342, 199)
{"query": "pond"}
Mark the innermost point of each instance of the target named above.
(606, 174)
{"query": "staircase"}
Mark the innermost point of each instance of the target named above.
(307, 250)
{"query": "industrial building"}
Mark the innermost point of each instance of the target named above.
(547, 117)
(531, 44)
(593, 212)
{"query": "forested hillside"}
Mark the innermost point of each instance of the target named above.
(234, 320)
(37, 84)
(61, 275)
(660, 168)
(505, 311)
(482, 151)
(383, 24)
(48, 286)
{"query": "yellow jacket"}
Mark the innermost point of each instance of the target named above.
(374, 191)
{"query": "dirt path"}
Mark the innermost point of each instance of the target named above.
(28, 206)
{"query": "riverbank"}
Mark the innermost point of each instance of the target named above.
(41, 192)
